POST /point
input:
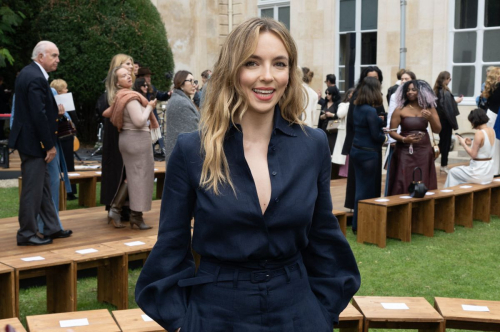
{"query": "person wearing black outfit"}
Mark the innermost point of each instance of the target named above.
(328, 113)
(393, 88)
(331, 80)
(365, 154)
(491, 93)
(370, 71)
(447, 110)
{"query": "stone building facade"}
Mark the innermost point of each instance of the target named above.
(453, 35)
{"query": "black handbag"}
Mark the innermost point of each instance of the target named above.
(66, 128)
(417, 189)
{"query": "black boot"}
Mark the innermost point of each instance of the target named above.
(114, 213)
(137, 219)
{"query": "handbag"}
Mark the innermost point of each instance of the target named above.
(417, 189)
(332, 126)
(435, 147)
(66, 128)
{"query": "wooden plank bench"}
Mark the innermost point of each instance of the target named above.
(112, 271)
(472, 201)
(134, 320)
(7, 292)
(456, 317)
(350, 320)
(134, 249)
(14, 322)
(419, 315)
(444, 210)
(342, 218)
(59, 272)
(97, 321)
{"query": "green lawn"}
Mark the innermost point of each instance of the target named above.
(462, 264)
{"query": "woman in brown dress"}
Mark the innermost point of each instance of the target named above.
(415, 110)
(129, 113)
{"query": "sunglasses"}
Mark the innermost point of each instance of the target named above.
(194, 82)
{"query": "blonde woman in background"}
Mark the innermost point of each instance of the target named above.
(311, 108)
(264, 224)
(491, 93)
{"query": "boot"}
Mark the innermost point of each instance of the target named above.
(137, 219)
(114, 214)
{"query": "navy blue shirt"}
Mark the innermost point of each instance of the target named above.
(231, 227)
(368, 127)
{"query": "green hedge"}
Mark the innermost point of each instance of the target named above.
(88, 34)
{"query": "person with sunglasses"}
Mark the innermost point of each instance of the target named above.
(182, 114)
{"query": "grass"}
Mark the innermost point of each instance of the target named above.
(463, 264)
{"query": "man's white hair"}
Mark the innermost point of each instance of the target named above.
(41, 48)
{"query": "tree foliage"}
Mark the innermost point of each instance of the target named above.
(88, 34)
(9, 19)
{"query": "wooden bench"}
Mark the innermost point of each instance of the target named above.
(94, 320)
(350, 320)
(7, 292)
(134, 249)
(472, 201)
(342, 218)
(495, 197)
(456, 317)
(394, 217)
(418, 315)
(14, 322)
(112, 271)
(134, 320)
(59, 272)
(444, 210)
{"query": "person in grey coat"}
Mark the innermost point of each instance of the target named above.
(182, 115)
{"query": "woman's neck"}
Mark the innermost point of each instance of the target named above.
(256, 127)
(414, 104)
(481, 127)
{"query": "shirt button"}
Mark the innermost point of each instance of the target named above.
(56, 132)
(57, 120)
(274, 173)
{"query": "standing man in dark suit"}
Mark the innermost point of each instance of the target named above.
(33, 134)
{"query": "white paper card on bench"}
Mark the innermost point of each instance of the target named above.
(98, 173)
(86, 251)
(465, 187)
(447, 190)
(497, 180)
(405, 197)
(429, 193)
(32, 259)
(468, 307)
(146, 318)
(135, 243)
(73, 174)
(156, 169)
(74, 322)
(382, 200)
(395, 306)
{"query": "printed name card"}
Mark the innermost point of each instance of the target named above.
(73, 174)
(135, 243)
(395, 306)
(32, 259)
(497, 180)
(382, 200)
(98, 172)
(74, 322)
(446, 190)
(146, 318)
(86, 251)
(156, 169)
(429, 193)
(468, 307)
(405, 197)
(465, 187)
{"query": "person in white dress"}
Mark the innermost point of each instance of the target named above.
(311, 108)
(337, 156)
(481, 151)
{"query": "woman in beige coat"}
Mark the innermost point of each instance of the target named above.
(132, 114)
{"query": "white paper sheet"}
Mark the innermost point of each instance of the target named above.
(429, 193)
(395, 306)
(86, 251)
(382, 200)
(405, 197)
(146, 318)
(465, 187)
(497, 180)
(98, 172)
(135, 243)
(469, 307)
(447, 190)
(73, 174)
(66, 100)
(74, 322)
(32, 259)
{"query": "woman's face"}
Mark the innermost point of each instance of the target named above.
(447, 81)
(124, 78)
(405, 78)
(63, 90)
(328, 96)
(264, 77)
(129, 65)
(412, 93)
(373, 74)
(188, 86)
(144, 88)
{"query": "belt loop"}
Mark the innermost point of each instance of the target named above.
(235, 278)
(287, 270)
(216, 276)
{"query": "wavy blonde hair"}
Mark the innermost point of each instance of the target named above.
(118, 60)
(225, 98)
(59, 85)
(492, 80)
(112, 84)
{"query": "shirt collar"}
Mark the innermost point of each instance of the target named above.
(44, 72)
(279, 123)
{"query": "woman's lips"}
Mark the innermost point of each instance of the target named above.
(263, 94)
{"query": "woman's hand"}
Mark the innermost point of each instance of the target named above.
(152, 103)
(426, 114)
(330, 115)
(459, 99)
(468, 141)
(413, 138)
(60, 109)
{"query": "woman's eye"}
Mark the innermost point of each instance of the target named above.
(250, 64)
(282, 64)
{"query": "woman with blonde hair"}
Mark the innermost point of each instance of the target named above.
(112, 162)
(131, 114)
(271, 249)
(491, 93)
(311, 111)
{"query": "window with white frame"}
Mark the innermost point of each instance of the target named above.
(277, 9)
(359, 17)
(474, 44)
